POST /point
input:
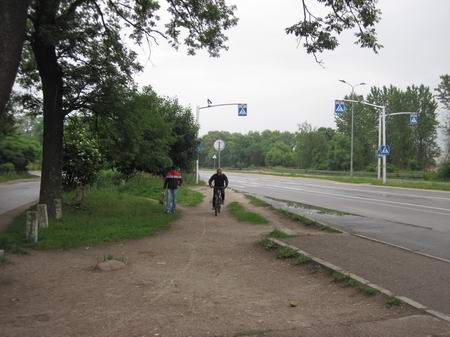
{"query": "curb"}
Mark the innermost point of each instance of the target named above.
(363, 281)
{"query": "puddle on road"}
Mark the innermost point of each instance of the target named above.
(306, 208)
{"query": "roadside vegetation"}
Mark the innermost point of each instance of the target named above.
(113, 211)
(5, 177)
(256, 201)
(240, 213)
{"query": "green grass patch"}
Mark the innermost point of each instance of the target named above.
(393, 302)
(302, 259)
(267, 244)
(306, 221)
(256, 201)
(339, 277)
(106, 216)
(4, 177)
(109, 213)
(286, 253)
(278, 234)
(242, 214)
(12, 240)
(368, 291)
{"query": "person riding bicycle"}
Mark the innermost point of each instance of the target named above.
(220, 184)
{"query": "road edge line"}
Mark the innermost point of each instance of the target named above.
(401, 247)
(384, 291)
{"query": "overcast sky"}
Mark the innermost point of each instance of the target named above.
(282, 85)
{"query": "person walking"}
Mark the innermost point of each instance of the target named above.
(172, 181)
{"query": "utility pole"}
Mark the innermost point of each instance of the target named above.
(352, 142)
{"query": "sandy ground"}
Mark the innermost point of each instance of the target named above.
(204, 277)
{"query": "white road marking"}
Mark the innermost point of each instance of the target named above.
(340, 196)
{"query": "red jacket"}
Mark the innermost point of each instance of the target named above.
(173, 179)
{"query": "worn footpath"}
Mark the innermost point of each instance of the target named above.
(206, 276)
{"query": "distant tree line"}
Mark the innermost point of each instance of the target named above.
(412, 147)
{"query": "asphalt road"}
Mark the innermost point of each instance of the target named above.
(16, 194)
(415, 219)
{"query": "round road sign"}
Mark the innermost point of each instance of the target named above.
(219, 145)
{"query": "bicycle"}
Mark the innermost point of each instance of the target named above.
(217, 200)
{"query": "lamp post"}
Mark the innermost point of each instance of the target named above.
(351, 146)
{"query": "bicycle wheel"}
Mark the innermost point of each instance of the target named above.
(216, 202)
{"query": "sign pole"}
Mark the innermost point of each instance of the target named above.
(379, 147)
(384, 144)
(197, 173)
(351, 146)
(218, 166)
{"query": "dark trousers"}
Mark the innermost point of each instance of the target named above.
(220, 190)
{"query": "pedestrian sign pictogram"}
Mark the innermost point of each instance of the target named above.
(384, 150)
(413, 119)
(339, 107)
(242, 109)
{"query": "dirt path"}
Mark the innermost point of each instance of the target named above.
(203, 277)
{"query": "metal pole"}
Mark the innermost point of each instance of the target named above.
(218, 166)
(351, 146)
(384, 143)
(379, 144)
(197, 173)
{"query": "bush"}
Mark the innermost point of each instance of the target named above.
(391, 168)
(19, 151)
(443, 171)
(7, 168)
(81, 159)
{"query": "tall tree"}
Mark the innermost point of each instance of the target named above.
(13, 14)
(80, 53)
(443, 91)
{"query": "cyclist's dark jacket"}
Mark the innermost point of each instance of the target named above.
(173, 180)
(219, 180)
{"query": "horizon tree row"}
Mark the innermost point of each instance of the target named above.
(412, 147)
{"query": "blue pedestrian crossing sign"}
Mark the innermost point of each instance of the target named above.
(413, 119)
(339, 107)
(384, 150)
(242, 110)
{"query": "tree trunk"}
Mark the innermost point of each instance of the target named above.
(13, 14)
(52, 85)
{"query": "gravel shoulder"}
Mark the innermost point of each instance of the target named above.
(204, 277)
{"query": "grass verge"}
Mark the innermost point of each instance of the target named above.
(278, 234)
(240, 213)
(4, 177)
(393, 302)
(256, 201)
(110, 213)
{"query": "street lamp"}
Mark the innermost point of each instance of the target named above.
(351, 146)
